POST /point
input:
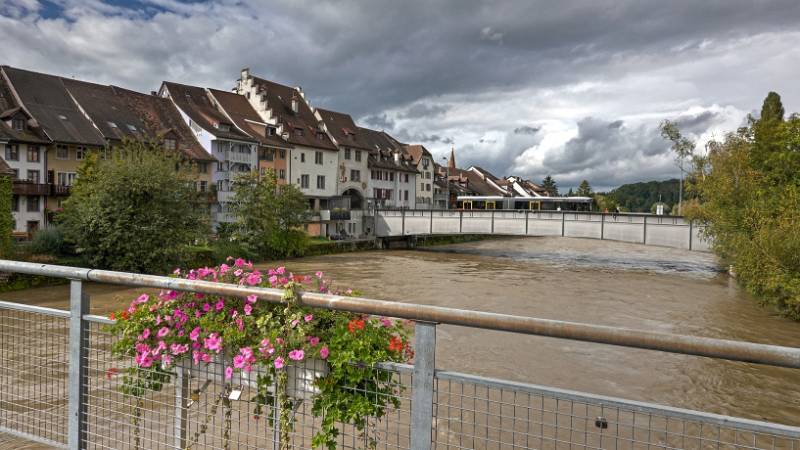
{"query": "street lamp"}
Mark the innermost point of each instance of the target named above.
(447, 182)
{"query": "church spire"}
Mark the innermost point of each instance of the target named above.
(452, 163)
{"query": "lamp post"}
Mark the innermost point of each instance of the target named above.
(447, 182)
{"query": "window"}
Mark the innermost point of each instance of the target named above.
(12, 152)
(405, 196)
(320, 135)
(112, 124)
(425, 163)
(15, 203)
(16, 173)
(355, 175)
(282, 154)
(223, 127)
(33, 153)
(320, 182)
(428, 175)
(80, 153)
(266, 154)
(220, 186)
(304, 181)
(406, 180)
(66, 178)
(202, 167)
(391, 176)
(33, 204)
(132, 128)
(428, 187)
(271, 131)
(347, 153)
(62, 152)
(298, 131)
(358, 155)
(34, 176)
(203, 186)
(282, 174)
(422, 186)
(220, 166)
(18, 124)
(318, 158)
(302, 157)
(169, 144)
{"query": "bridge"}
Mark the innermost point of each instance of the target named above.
(666, 231)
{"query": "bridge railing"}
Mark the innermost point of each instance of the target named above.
(60, 386)
(648, 229)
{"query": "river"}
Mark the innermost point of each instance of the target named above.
(598, 282)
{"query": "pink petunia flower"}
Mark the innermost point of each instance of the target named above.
(248, 309)
(324, 352)
(162, 332)
(251, 299)
(313, 340)
(297, 355)
(318, 274)
(220, 305)
(213, 342)
(194, 334)
(279, 362)
(308, 317)
(228, 373)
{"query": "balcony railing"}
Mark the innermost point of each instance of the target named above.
(58, 189)
(25, 187)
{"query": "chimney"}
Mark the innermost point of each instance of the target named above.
(397, 157)
(154, 93)
(245, 73)
(295, 103)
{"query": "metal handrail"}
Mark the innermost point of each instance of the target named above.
(690, 345)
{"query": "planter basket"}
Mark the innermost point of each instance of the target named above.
(301, 375)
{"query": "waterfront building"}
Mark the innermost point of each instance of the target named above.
(236, 152)
(422, 159)
(314, 157)
(393, 175)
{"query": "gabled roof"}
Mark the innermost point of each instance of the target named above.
(4, 168)
(382, 150)
(417, 152)
(279, 99)
(46, 98)
(195, 102)
(241, 112)
(159, 117)
(343, 129)
(108, 111)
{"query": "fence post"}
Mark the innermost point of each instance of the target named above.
(691, 234)
(78, 365)
(602, 225)
(403, 226)
(460, 220)
(422, 385)
(563, 215)
(526, 221)
(492, 221)
(431, 228)
(644, 230)
(181, 407)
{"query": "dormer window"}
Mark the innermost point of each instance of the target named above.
(222, 126)
(295, 105)
(298, 131)
(169, 144)
(18, 124)
(132, 128)
(320, 135)
(112, 124)
(271, 131)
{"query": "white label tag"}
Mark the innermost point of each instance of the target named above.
(235, 394)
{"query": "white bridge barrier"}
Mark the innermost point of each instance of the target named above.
(665, 231)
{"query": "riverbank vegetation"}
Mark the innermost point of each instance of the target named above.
(748, 192)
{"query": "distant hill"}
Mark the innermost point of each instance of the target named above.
(639, 197)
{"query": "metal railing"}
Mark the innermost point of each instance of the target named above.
(60, 386)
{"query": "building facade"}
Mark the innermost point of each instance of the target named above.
(422, 159)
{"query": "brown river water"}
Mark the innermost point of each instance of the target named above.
(598, 282)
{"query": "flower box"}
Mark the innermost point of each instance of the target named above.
(301, 375)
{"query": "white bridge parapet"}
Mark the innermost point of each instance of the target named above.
(665, 231)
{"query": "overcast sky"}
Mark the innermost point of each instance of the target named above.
(574, 89)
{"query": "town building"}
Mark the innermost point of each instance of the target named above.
(236, 152)
(393, 175)
(273, 151)
(314, 157)
(422, 159)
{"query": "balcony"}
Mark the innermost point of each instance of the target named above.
(58, 189)
(25, 187)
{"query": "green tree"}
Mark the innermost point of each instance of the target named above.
(269, 216)
(639, 197)
(584, 190)
(683, 148)
(549, 184)
(135, 210)
(749, 194)
(6, 219)
(772, 109)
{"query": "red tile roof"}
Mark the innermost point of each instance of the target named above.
(343, 129)
(195, 102)
(239, 109)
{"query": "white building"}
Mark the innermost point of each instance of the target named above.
(236, 152)
(314, 158)
(422, 159)
(393, 176)
(24, 151)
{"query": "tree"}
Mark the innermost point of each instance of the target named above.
(683, 148)
(135, 210)
(584, 190)
(772, 109)
(269, 216)
(749, 194)
(570, 194)
(549, 184)
(6, 219)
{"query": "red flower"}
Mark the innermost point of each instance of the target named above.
(112, 316)
(396, 344)
(111, 372)
(355, 324)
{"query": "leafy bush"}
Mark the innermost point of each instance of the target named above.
(6, 219)
(50, 241)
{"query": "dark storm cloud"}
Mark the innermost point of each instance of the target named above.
(421, 138)
(526, 130)
(419, 111)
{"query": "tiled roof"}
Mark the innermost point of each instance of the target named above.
(48, 101)
(343, 129)
(239, 109)
(417, 152)
(159, 117)
(4, 168)
(382, 148)
(279, 99)
(195, 103)
(108, 111)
